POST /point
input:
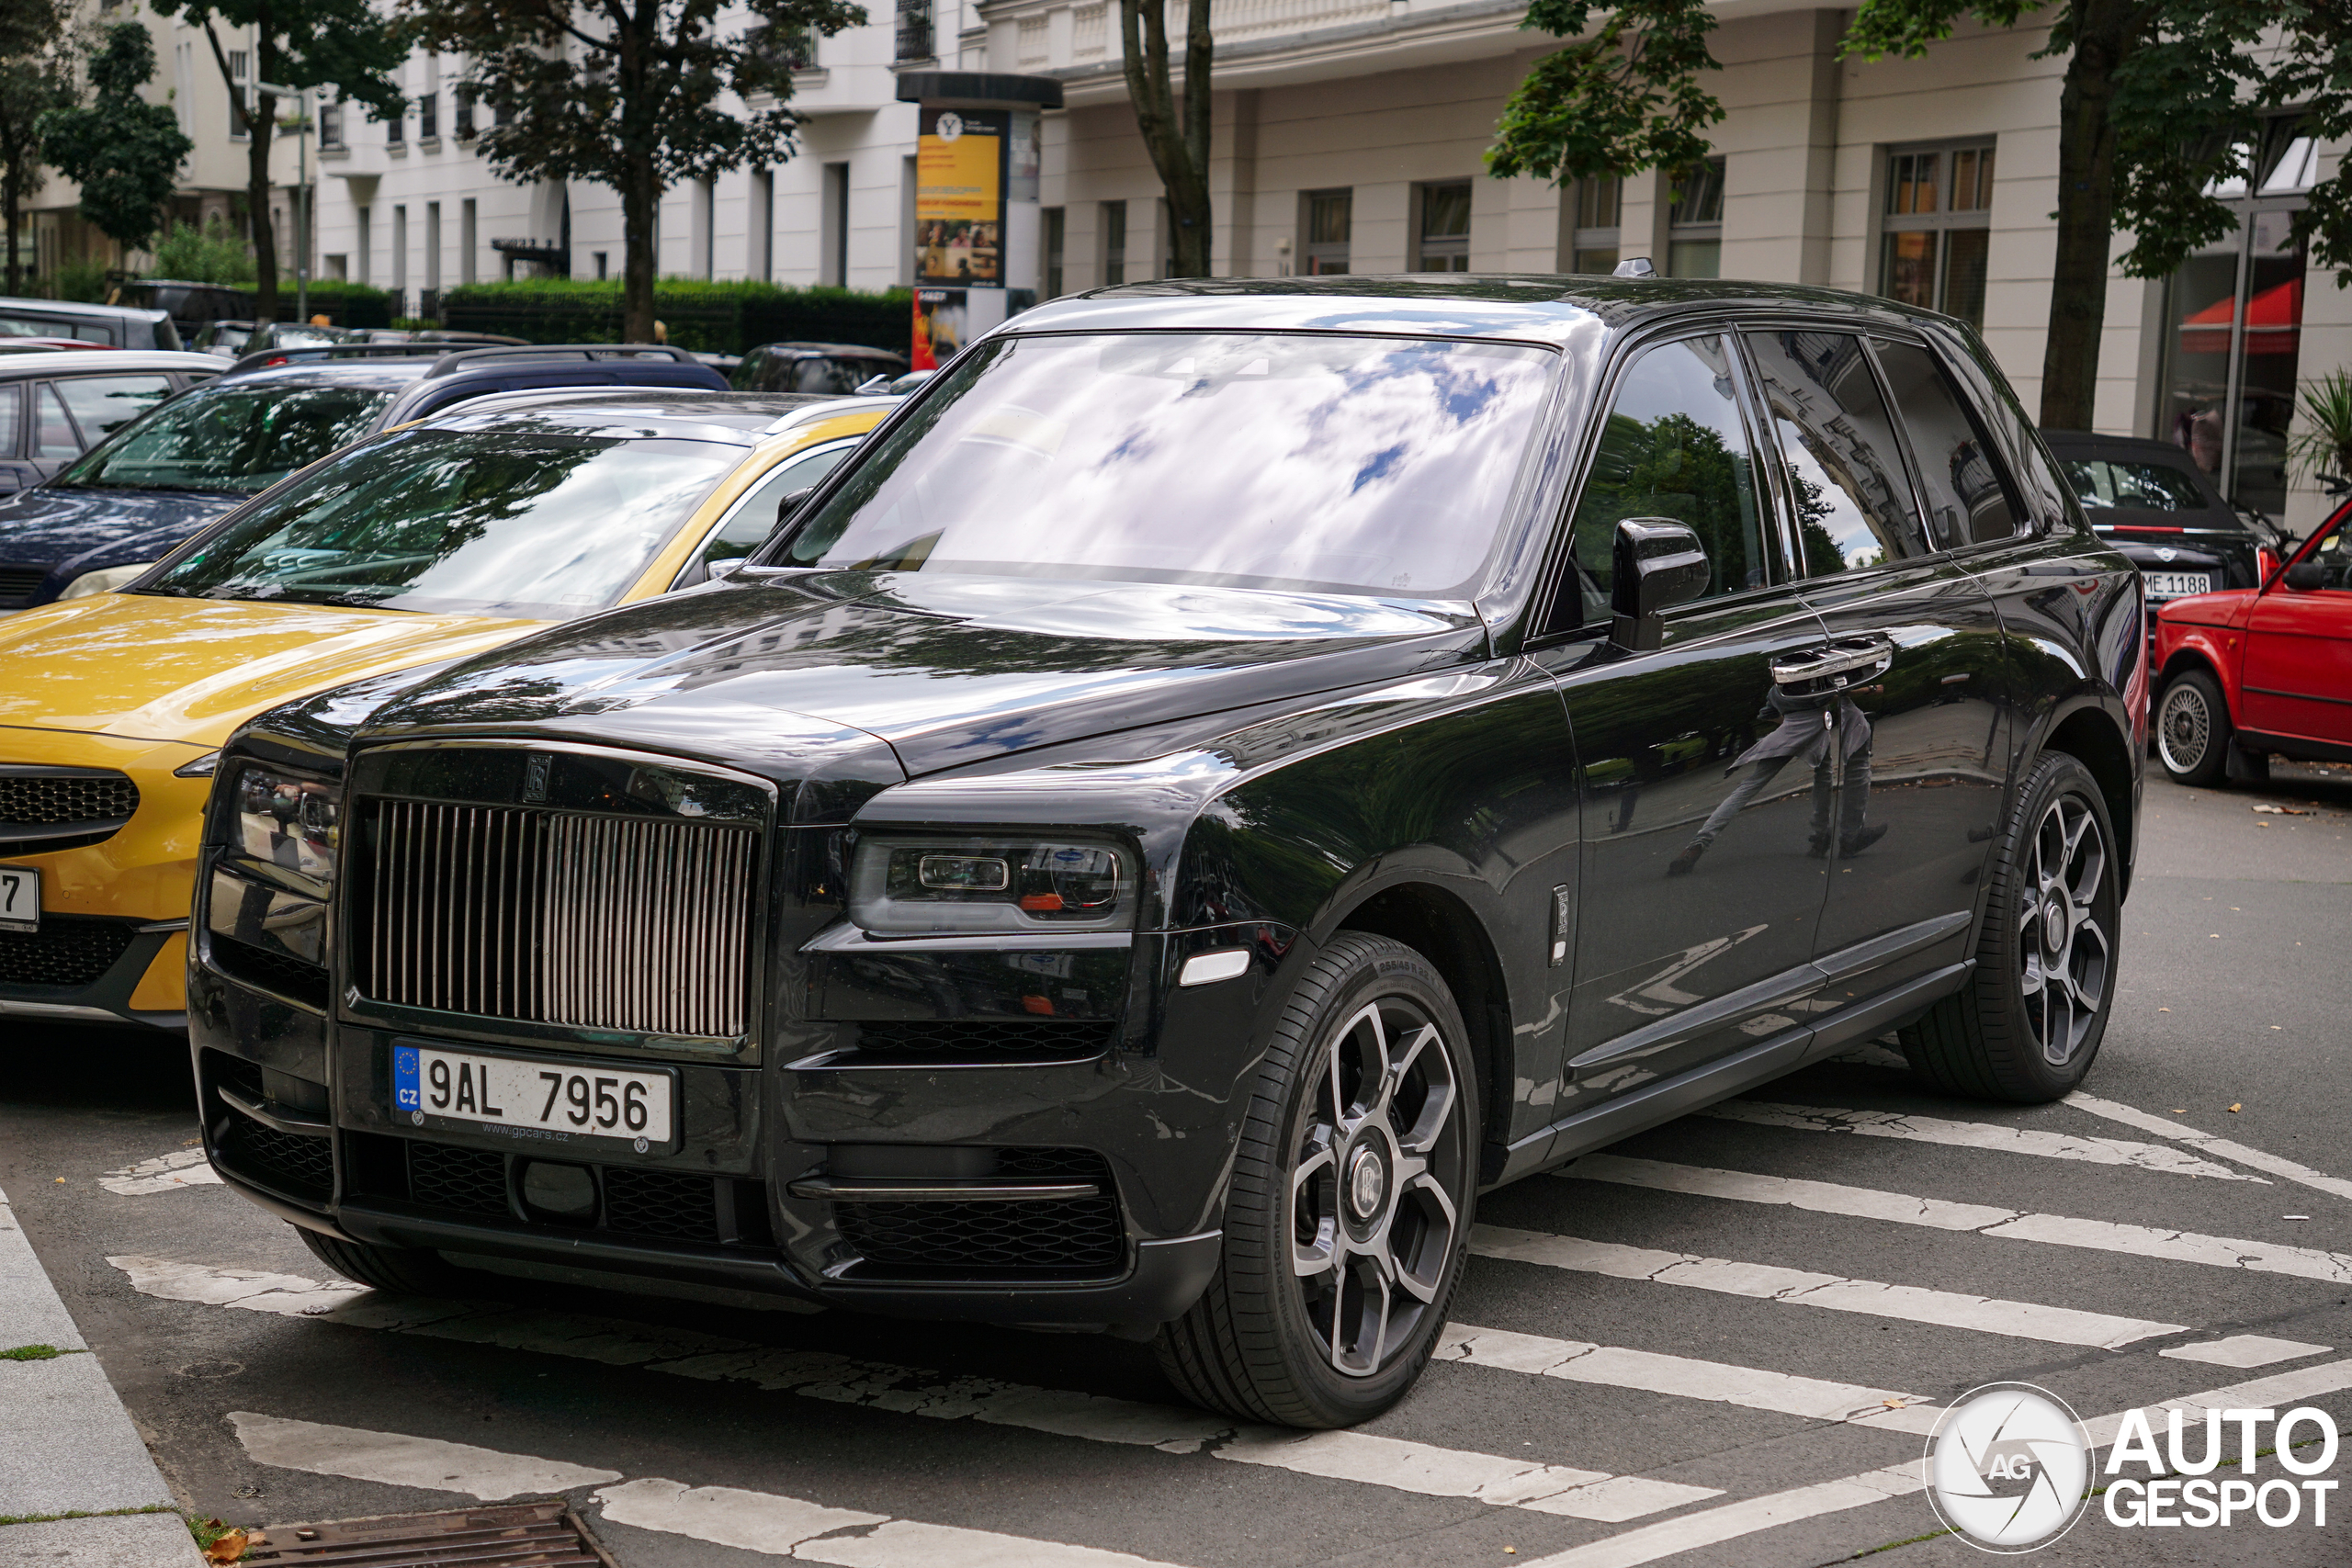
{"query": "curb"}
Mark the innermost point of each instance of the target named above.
(67, 1447)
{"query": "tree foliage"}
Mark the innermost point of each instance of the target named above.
(348, 44)
(124, 152)
(1626, 99)
(36, 76)
(1177, 138)
(630, 93)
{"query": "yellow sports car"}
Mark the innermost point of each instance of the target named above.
(423, 545)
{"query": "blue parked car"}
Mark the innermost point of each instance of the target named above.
(106, 517)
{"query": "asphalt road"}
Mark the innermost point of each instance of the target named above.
(678, 1426)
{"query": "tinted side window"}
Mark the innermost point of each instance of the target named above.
(12, 419)
(53, 436)
(104, 404)
(1673, 446)
(1967, 502)
(755, 515)
(1853, 500)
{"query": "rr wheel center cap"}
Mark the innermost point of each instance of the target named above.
(2054, 926)
(1367, 1181)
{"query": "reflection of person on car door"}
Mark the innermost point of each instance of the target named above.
(1803, 735)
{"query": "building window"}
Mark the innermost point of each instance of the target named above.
(240, 97)
(1694, 231)
(366, 217)
(1330, 220)
(1114, 243)
(330, 127)
(468, 231)
(1937, 228)
(2236, 309)
(1592, 210)
(1443, 228)
(1054, 230)
(461, 112)
(604, 265)
(395, 130)
(428, 116)
(832, 231)
(912, 34)
(337, 266)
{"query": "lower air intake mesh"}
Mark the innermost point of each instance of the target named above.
(1071, 1238)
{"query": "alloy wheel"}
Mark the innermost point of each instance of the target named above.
(1375, 1188)
(2184, 728)
(2064, 952)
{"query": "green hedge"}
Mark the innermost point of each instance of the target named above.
(342, 302)
(713, 318)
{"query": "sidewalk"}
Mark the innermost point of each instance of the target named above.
(66, 1444)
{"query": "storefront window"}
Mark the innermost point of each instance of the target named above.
(1935, 229)
(1444, 227)
(1329, 225)
(2237, 313)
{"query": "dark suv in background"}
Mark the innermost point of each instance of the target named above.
(1225, 774)
(813, 368)
(108, 516)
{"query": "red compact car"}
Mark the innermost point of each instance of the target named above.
(2251, 673)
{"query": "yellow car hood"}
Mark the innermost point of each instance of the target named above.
(191, 670)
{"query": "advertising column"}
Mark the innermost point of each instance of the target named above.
(975, 216)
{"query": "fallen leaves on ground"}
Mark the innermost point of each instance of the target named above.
(2235, 1108)
(2281, 810)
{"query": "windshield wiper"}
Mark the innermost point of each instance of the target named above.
(178, 488)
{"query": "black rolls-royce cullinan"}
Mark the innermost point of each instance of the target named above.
(1228, 772)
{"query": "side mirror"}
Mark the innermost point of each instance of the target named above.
(1655, 564)
(790, 504)
(2305, 576)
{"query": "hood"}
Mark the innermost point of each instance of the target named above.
(159, 669)
(46, 526)
(947, 670)
(2222, 608)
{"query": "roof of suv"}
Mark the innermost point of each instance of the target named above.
(83, 361)
(744, 418)
(1536, 307)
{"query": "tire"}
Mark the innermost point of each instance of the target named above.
(404, 1270)
(1279, 1336)
(2029, 1019)
(2193, 729)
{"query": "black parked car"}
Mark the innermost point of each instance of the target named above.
(192, 306)
(2162, 512)
(1226, 773)
(110, 516)
(814, 367)
(112, 326)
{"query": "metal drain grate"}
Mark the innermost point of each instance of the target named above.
(519, 1534)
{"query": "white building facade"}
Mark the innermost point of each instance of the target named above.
(1349, 136)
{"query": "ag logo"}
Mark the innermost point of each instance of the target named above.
(2006, 1467)
(950, 126)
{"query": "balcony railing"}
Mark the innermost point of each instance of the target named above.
(1092, 31)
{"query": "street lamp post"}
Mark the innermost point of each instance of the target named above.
(301, 96)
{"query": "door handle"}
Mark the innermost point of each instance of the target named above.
(1845, 660)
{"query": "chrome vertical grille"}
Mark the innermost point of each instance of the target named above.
(547, 917)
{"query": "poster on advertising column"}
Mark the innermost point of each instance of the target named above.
(959, 197)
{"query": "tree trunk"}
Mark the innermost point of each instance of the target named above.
(640, 196)
(263, 121)
(2104, 32)
(9, 198)
(1179, 148)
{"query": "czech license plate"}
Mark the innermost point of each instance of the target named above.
(534, 1096)
(19, 898)
(2173, 584)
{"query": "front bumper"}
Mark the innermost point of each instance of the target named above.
(1151, 1109)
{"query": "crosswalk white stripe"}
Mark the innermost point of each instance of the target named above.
(1614, 1366)
(1901, 1208)
(397, 1460)
(2147, 1121)
(1422, 1467)
(2245, 1351)
(1974, 1135)
(1713, 1527)
(1913, 1303)
(809, 1532)
(164, 1173)
(755, 1521)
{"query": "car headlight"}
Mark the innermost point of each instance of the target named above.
(287, 822)
(970, 886)
(105, 582)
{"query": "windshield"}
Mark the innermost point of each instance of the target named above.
(1259, 460)
(478, 523)
(237, 438)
